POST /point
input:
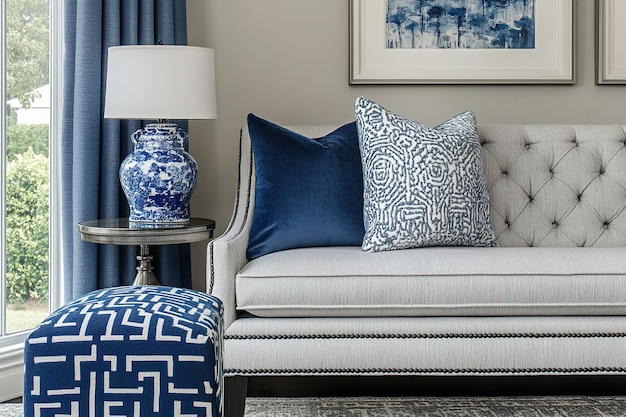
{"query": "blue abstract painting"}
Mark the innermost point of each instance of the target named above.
(460, 24)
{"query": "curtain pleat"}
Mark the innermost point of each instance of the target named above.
(93, 147)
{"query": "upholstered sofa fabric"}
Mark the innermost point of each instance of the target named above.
(556, 185)
(444, 281)
(436, 346)
(557, 195)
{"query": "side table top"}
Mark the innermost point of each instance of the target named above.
(121, 231)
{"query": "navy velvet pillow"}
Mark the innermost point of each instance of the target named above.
(309, 192)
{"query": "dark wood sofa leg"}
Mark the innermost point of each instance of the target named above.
(235, 390)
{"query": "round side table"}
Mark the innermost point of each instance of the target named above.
(124, 232)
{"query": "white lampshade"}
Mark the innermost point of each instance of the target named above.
(160, 82)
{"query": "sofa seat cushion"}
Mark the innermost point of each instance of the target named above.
(434, 281)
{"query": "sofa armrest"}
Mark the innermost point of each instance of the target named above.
(226, 254)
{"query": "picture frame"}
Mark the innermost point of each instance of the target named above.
(379, 53)
(611, 42)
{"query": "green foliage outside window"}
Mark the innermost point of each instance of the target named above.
(20, 138)
(27, 227)
(27, 212)
(27, 48)
(27, 173)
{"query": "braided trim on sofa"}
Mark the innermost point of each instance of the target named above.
(212, 282)
(428, 336)
(381, 371)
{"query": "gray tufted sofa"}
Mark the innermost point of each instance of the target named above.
(551, 300)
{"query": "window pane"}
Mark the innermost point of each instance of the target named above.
(27, 184)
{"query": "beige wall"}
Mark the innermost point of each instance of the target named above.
(287, 61)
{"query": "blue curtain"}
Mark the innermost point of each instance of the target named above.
(93, 147)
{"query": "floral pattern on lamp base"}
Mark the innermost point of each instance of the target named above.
(159, 176)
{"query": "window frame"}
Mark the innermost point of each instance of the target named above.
(12, 346)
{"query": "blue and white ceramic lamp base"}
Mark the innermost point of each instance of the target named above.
(159, 176)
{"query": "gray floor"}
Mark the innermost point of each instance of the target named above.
(439, 407)
(579, 406)
(11, 410)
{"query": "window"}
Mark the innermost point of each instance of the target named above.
(30, 59)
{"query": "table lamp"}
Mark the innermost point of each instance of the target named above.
(159, 82)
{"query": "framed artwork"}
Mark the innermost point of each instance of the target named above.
(462, 41)
(611, 42)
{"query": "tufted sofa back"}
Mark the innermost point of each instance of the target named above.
(556, 185)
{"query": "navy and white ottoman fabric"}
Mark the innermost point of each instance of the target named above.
(128, 351)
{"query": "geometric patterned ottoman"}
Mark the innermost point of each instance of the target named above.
(128, 351)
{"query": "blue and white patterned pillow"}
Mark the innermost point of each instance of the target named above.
(423, 186)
